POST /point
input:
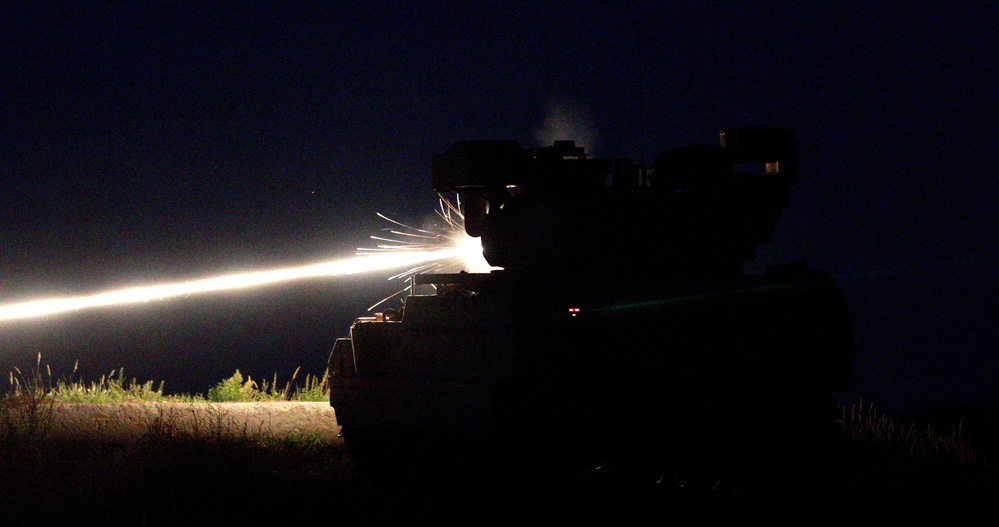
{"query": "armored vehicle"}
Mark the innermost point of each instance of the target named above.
(618, 324)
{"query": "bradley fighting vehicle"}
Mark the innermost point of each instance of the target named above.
(621, 326)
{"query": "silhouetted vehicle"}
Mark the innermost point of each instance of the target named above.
(621, 329)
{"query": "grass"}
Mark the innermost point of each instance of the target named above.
(31, 395)
(207, 469)
(115, 387)
(215, 472)
(238, 389)
(172, 474)
(909, 440)
(862, 424)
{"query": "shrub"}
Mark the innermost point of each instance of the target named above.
(234, 389)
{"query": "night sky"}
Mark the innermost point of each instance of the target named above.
(145, 142)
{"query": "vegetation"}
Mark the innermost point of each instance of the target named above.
(209, 469)
(115, 387)
(236, 389)
(867, 425)
(176, 471)
(32, 395)
(862, 424)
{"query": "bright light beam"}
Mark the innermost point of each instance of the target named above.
(424, 250)
(360, 264)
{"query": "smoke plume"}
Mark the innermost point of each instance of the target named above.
(566, 120)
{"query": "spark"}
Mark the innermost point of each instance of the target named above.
(447, 231)
(416, 250)
(403, 238)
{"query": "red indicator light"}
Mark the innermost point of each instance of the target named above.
(573, 311)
